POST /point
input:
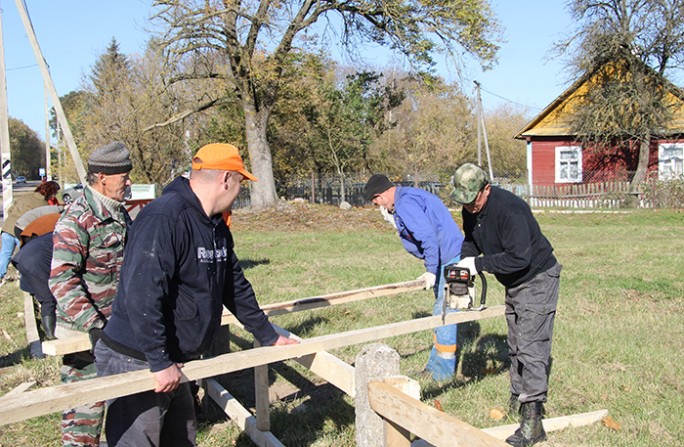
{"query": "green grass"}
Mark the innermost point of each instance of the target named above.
(618, 343)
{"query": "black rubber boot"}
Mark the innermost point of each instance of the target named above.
(49, 322)
(513, 405)
(531, 430)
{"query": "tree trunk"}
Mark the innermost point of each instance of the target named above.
(263, 192)
(642, 167)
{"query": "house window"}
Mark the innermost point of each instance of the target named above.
(670, 161)
(568, 164)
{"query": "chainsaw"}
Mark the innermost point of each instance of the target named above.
(459, 290)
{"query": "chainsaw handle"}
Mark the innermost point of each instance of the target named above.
(483, 293)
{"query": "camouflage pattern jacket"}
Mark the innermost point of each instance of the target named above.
(86, 262)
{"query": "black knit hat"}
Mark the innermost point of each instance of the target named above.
(377, 184)
(112, 158)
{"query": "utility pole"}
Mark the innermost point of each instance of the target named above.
(61, 117)
(48, 170)
(482, 130)
(5, 154)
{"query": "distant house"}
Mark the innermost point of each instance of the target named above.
(555, 157)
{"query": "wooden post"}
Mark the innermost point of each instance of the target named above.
(261, 400)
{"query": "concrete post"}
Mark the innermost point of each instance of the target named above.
(375, 362)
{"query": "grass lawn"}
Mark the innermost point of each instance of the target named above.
(618, 343)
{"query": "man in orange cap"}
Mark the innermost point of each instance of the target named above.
(179, 272)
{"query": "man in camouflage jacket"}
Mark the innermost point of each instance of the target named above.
(88, 250)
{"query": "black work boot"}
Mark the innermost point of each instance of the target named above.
(49, 322)
(531, 429)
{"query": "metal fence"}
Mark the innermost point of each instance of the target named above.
(601, 192)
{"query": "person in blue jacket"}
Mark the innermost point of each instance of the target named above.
(427, 231)
(179, 272)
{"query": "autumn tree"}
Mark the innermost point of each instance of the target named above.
(257, 38)
(508, 154)
(434, 132)
(27, 149)
(629, 46)
(125, 95)
(347, 119)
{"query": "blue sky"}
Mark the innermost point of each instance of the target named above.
(73, 33)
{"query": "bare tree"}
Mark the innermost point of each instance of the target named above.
(257, 38)
(627, 46)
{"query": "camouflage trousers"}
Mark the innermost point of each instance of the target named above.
(81, 426)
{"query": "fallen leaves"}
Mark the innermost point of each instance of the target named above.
(496, 414)
(611, 423)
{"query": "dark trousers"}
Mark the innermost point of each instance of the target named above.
(148, 418)
(530, 314)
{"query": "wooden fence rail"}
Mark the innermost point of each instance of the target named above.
(57, 398)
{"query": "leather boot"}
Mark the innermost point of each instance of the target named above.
(49, 322)
(531, 429)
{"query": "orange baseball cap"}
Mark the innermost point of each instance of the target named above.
(221, 157)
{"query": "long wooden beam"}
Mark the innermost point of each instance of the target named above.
(49, 400)
(240, 415)
(429, 423)
(550, 425)
(325, 365)
(76, 342)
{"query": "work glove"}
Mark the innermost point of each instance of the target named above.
(94, 335)
(388, 216)
(469, 263)
(428, 280)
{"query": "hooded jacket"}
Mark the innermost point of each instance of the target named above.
(179, 271)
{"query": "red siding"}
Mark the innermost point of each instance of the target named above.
(596, 167)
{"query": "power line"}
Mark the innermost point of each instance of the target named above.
(510, 100)
(22, 68)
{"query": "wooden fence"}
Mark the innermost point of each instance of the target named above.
(397, 410)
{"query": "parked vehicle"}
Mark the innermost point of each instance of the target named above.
(20, 179)
(71, 194)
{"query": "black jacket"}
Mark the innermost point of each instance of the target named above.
(179, 271)
(509, 237)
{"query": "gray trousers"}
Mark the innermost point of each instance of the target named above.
(148, 418)
(530, 313)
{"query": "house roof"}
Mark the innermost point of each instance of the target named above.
(554, 119)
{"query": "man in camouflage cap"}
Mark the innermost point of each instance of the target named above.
(88, 251)
(500, 226)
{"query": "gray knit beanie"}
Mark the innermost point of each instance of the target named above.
(112, 158)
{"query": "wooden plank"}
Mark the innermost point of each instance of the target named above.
(21, 388)
(32, 337)
(240, 415)
(328, 367)
(56, 398)
(550, 425)
(428, 423)
(261, 399)
(76, 341)
(332, 299)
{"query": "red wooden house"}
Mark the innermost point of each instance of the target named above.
(555, 157)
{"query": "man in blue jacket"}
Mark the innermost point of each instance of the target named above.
(500, 226)
(428, 231)
(179, 272)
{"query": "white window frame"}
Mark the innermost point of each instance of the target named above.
(670, 161)
(564, 164)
